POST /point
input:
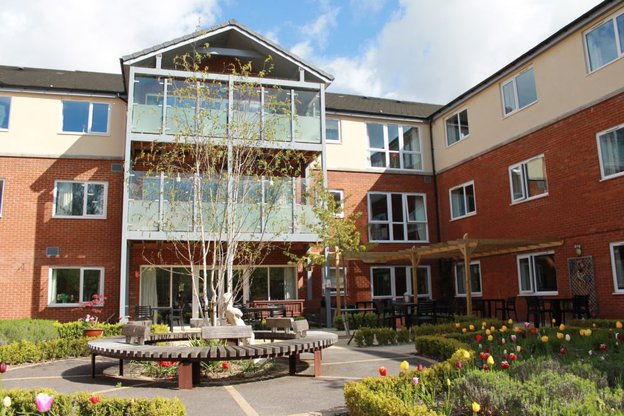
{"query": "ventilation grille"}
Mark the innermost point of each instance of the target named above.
(428, 179)
(53, 251)
(117, 167)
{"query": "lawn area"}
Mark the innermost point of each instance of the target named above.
(503, 368)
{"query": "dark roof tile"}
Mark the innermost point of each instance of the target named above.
(373, 106)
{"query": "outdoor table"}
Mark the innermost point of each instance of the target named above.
(349, 314)
(156, 309)
(556, 306)
(258, 311)
(489, 305)
(406, 309)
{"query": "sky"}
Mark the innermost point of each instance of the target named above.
(419, 50)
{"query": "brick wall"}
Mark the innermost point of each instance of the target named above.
(580, 208)
(27, 228)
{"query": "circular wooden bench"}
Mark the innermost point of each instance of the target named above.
(189, 357)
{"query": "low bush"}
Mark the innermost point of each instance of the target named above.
(384, 336)
(438, 347)
(80, 404)
(28, 352)
(33, 330)
(368, 320)
(73, 330)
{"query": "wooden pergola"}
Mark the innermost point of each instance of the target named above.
(466, 248)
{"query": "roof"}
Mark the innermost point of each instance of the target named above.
(335, 102)
(230, 23)
(57, 79)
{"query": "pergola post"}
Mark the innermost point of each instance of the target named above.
(338, 294)
(415, 258)
(466, 251)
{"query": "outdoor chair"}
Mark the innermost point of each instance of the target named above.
(143, 313)
(506, 308)
(580, 306)
(478, 307)
(536, 308)
(426, 312)
(385, 314)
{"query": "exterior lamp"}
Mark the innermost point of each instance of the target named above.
(578, 250)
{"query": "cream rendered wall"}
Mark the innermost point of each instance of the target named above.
(35, 129)
(563, 83)
(351, 154)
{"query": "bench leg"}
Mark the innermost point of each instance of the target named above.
(292, 363)
(317, 363)
(121, 366)
(196, 373)
(185, 375)
(93, 365)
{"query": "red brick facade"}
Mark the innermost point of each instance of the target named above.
(27, 228)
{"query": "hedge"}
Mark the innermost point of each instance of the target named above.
(384, 336)
(369, 320)
(438, 347)
(79, 404)
(34, 330)
(29, 352)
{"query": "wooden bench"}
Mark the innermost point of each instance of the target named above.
(229, 333)
(284, 328)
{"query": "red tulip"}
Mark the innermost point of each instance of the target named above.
(94, 398)
(513, 356)
(603, 347)
(3, 367)
(562, 351)
(478, 338)
(458, 365)
(483, 356)
(225, 365)
(533, 330)
(505, 365)
(505, 356)
(383, 371)
(485, 367)
(487, 349)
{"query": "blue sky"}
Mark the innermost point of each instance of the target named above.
(420, 50)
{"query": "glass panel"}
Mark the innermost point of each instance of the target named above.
(458, 207)
(332, 279)
(147, 105)
(163, 281)
(378, 159)
(412, 161)
(259, 285)
(620, 25)
(470, 199)
(182, 288)
(612, 152)
(75, 116)
(400, 281)
(332, 130)
(378, 207)
(460, 279)
(181, 115)
(463, 122)
(423, 281)
(452, 130)
(375, 135)
(509, 99)
(525, 82)
(395, 160)
(411, 139)
(308, 121)
(5, 110)
(65, 285)
(417, 232)
(601, 46)
(277, 115)
(517, 188)
(398, 232)
(246, 112)
(213, 111)
(618, 257)
(397, 207)
(393, 137)
(475, 278)
(380, 232)
(416, 208)
(90, 284)
(276, 283)
(536, 177)
(382, 285)
(525, 275)
(95, 199)
(69, 198)
(545, 273)
(99, 118)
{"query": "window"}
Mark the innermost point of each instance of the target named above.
(330, 281)
(332, 130)
(463, 200)
(338, 201)
(85, 117)
(528, 179)
(394, 281)
(1, 195)
(394, 146)
(617, 263)
(611, 152)
(457, 127)
(475, 279)
(5, 112)
(273, 283)
(80, 199)
(71, 286)
(397, 217)
(605, 43)
(537, 274)
(519, 91)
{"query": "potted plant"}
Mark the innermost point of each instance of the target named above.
(92, 309)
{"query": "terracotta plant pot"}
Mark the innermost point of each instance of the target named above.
(92, 332)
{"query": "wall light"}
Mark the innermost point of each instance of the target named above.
(578, 250)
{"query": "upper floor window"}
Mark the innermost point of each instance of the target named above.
(1, 195)
(605, 43)
(519, 91)
(392, 282)
(475, 279)
(338, 196)
(80, 199)
(332, 130)
(397, 217)
(611, 152)
(528, 179)
(85, 117)
(537, 273)
(71, 286)
(457, 127)
(617, 264)
(463, 200)
(394, 146)
(330, 280)
(5, 112)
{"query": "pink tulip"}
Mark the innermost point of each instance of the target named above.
(43, 402)
(420, 367)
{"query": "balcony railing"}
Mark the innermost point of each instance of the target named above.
(277, 206)
(165, 106)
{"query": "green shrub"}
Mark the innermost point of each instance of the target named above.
(593, 323)
(73, 330)
(438, 347)
(385, 336)
(33, 330)
(78, 404)
(28, 352)
(403, 336)
(495, 392)
(357, 320)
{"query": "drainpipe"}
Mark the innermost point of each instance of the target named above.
(435, 194)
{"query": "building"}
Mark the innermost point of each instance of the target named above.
(536, 151)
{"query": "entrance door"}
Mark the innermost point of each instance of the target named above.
(164, 288)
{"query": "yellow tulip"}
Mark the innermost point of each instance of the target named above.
(510, 321)
(404, 366)
(448, 382)
(463, 329)
(457, 325)
(588, 332)
(493, 328)
(475, 407)
(559, 335)
(490, 361)
(490, 338)
(582, 332)
(503, 328)
(562, 327)
(544, 338)
(466, 354)
(488, 332)
(483, 324)
(471, 327)
(618, 325)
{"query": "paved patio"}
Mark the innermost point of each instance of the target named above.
(281, 395)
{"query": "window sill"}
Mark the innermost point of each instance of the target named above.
(448, 146)
(519, 110)
(539, 294)
(333, 141)
(76, 133)
(472, 214)
(398, 170)
(64, 305)
(618, 293)
(614, 176)
(398, 241)
(591, 72)
(4, 130)
(533, 198)
(474, 295)
(78, 217)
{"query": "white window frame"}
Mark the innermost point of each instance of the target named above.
(390, 222)
(408, 285)
(332, 288)
(339, 214)
(612, 247)
(52, 302)
(89, 119)
(386, 149)
(533, 291)
(84, 202)
(1, 195)
(457, 277)
(512, 81)
(525, 184)
(339, 131)
(602, 172)
(9, 115)
(619, 47)
(474, 195)
(461, 137)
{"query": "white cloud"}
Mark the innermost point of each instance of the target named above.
(302, 49)
(92, 35)
(318, 30)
